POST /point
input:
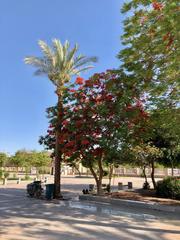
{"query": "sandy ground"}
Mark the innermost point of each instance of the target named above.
(23, 218)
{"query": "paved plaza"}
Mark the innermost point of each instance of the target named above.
(23, 218)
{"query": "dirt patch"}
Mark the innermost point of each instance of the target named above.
(144, 196)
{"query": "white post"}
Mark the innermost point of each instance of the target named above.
(19, 181)
(4, 181)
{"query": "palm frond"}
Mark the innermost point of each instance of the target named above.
(41, 71)
(47, 51)
(65, 50)
(34, 61)
(71, 54)
(78, 71)
(58, 51)
(84, 60)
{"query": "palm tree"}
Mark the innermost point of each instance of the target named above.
(59, 63)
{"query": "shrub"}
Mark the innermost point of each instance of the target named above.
(6, 174)
(27, 177)
(169, 188)
(15, 175)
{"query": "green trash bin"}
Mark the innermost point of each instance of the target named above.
(49, 191)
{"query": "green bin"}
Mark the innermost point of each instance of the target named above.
(49, 191)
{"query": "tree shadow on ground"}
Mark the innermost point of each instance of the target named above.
(26, 218)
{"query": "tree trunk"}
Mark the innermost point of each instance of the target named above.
(172, 163)
(110, 174)
(77, 169)
(172, 169)
(99, 182)
(98, 179)
(99, 186)
(152, 174)
(144, 173)
(58, 153)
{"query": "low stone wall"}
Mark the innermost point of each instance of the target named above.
(130, 203)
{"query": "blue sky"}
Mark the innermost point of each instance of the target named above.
(96, 25)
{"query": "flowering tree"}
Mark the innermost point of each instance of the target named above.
(101, 115)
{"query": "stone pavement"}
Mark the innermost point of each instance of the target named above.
(23, 218)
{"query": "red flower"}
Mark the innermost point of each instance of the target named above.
(109, 97)
(81, 88)
(79, 80)
(70, 144)
(97, 151)
(68, 154)
(99, 99)
(61, 140)
(171, 39)
(78, 123)
(138, 103)
(129, 107)
(144, 114)
(88, 83)
(65, 122)
(165, 37)
(85, 142)
(72, 90)
(157, 6)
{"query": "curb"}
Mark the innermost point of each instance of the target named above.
(130, 203)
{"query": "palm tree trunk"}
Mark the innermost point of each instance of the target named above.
(58, 153)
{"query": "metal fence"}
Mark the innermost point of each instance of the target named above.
(135, 172)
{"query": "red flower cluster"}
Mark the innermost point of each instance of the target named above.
(79, 123)
(97, 152)
(157, 6)
(72, 90)
(79, 80)
(169, 38)
(88, 83)
(70, 144)
(65, 123)
(85, 142)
